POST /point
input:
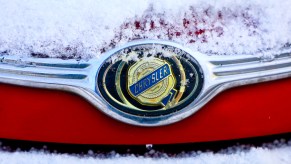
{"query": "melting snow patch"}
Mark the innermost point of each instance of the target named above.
(83, 29)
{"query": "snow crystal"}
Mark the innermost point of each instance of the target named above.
(87, 28)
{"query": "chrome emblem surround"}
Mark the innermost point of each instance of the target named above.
(177, 91)
(149, 80)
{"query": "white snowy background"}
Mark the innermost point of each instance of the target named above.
(276, 152)
(86, 28)
(83, 29)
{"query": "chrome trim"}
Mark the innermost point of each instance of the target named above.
(221, 73)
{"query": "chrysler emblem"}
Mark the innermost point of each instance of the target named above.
(150, 80)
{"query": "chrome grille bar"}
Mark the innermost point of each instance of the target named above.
(49, 71)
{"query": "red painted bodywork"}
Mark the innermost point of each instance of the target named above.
(56, 116)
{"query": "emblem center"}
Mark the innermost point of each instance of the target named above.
(151, 82)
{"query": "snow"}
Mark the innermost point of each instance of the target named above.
(277, 152)
(87, 28)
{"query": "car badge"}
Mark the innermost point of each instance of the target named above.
(150, 80)
(146, 82)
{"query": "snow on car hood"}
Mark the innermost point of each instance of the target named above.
(83, 29)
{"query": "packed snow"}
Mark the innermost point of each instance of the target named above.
(87, 28)
(276, 152)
